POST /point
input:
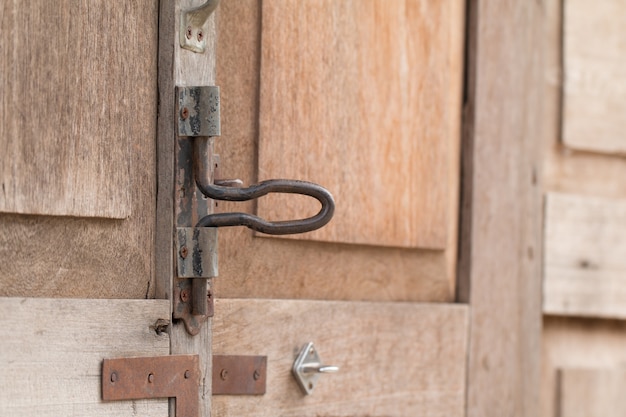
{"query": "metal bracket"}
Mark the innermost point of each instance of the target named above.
(190, 297)
(239, 375)
(308, 367)
(193, 26)
(197, 252)
(154, 377)
(198, 111)
(196, 249)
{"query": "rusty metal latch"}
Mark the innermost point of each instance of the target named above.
(198, 110)
(154, 377)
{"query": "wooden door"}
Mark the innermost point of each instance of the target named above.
(78, 102)
(365, 98)
(383, 292)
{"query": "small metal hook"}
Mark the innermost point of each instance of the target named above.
(320, 369)
(307, 368)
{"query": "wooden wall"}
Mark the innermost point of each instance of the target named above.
(585, 209)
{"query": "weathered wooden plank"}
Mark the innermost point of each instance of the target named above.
(594, 96)
(52, 354)
(592, 392)
(565, 170)
(499, 267)
(72, 107)
(179, 67)
(251, 265)
(52, 256)
(364, 98)
(578, 344)
(395, 359)
(585, 256)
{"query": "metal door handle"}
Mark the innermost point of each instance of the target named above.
(200, 160)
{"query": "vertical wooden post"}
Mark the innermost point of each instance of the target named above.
(178, 67)
(499, 269)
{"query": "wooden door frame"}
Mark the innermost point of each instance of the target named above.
(501, 206)
(500, 250)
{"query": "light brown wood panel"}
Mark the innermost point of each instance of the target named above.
(584, 258)
(578, 343)
(592, 392)
(364, 98)
(51, 357)
(276, 268)
(52, 256)
(567, 170)
(395, 359)
(594, 92)
(499, 268)
(78, 96)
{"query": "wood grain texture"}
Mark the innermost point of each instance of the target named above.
(567, 170)
(179, 67)
(499, 268)
(575, 343)
(594, 95)
(363, 98)
(592, 392)
(395, 359)
(78, 96)
(584, 258)
(51, 256)
(277, 268)
(52, 356)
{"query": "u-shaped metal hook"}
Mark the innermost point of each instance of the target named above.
(201, 152)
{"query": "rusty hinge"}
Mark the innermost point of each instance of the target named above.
(154, 377)
(239, 375)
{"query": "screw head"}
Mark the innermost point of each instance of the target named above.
(188, 34)
(184, 113)
(184, 296)
(184, 252)
(200, 36)
(150, 378)
(256, 375)
(223, 374)
(113, 376)
(187, 374)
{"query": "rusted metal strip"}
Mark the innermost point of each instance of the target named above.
(239, 375)
(197, 252)
(154, 377)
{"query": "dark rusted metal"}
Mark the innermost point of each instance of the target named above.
(203, 110)
(184, 294)
(197, 252)
(239, 375)
(154, 377)
(203, 171)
